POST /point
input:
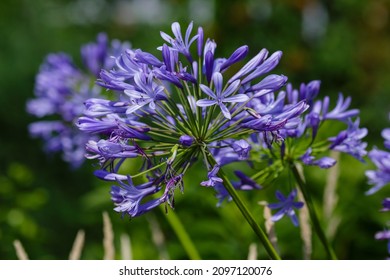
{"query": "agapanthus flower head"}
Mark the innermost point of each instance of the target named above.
(61, 89)
(172, 109)
(287, 206)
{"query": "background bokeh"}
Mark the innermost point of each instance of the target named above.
(43, 202)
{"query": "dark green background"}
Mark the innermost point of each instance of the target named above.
(44, 203)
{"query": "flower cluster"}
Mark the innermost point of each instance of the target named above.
(381, 177)
(60, 90)
(304, 139)
(147, 119)
(186, 105)
(305, 142)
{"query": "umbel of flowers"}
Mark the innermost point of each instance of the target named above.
(186, 105)
(183, 107)
(60, 91)
(189, 105)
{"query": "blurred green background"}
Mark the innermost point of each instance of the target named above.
(43, 203)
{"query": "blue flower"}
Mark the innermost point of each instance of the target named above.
(319, 109)
(324, 162)
(105, 150)
(307, 92)
(238, 55)
(221, 96)
(126, 67)
(276, 120)
(350, 141)
(114, 126)
(258, 66)
(109, 176)
(340, 112)
(127, 197)
(242, 148)
(269, 84)
(179, 43)
(146, 91)
(245, 184)
(286, 206)
(212, 177)
(380, 177)
(97, 107)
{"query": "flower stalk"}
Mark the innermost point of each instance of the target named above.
(246, 214)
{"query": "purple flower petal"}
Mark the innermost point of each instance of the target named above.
(208, 91)
(236, 98)
(225, 111)
(249, 66)
(205, 102)
(217, 79)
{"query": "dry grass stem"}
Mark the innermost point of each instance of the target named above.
(304, 221)
(269, 225)
(126, 251)
(78, 245)
(20, 252)
(305, 228)
(252, 254)
(108, 238)
(330, 196)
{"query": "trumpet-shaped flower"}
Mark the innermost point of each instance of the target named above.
(381, 176)
(287, 206)
(128, 197)
(220, 96)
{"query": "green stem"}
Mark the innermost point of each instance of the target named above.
(181, 233)
(247, 215)
(313, 216)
